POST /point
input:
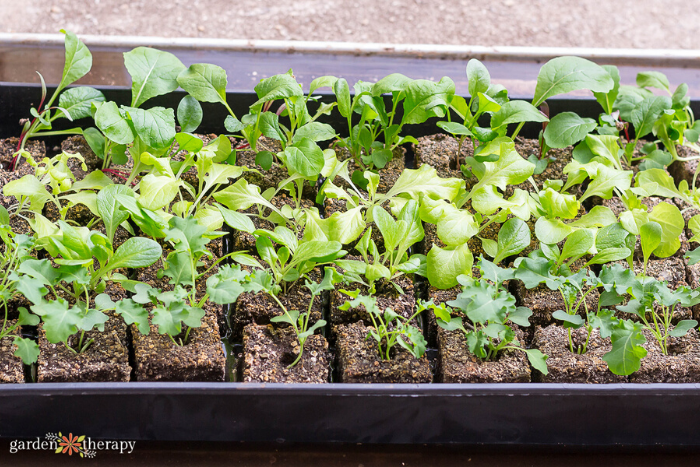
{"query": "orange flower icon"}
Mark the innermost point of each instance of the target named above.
(70, 444)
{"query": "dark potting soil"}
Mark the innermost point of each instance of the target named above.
(358, 359)
(456, 364)
(11, 368)
(243, 241)
(440, 151)
(266, 179)
(260, 307)
(681, 365)
(387, 297)
(78, 214)
(8, 146)
(268, 351)
(565, 366)
(438, 296)
(158, 358)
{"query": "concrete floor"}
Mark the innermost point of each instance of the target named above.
(575, 23)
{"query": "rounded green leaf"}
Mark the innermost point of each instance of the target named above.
(153, 73)
(189, 114)
(114, 126)
(566, 129)
(513, 238)
(565, 74)
(78, 101)
(444, 265)
(205, 82)
(136, 252)
(305, 158)
(516, 112)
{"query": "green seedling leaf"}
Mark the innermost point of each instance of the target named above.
(27, 350)
(153, 73)
(682, 328)
(277, 87)
(566, 129)
(136, 252)
(155, 126)
(565, 74)
(607, 99)
(671, 220)
(445, 264)
(537, 359)
(646, 113)
(108, 207)
(478, 76)
(305, 158)
(204, 82)
(653, 79)
(627, 351)
(570, 321)
(60, 319)
(189, 115)
(78, 60)
(513, 237)
(578, 243)
(78, 101)
(110, 121)
(516, 112)
(426, 99)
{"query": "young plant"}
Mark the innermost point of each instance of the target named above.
(73, 104)
(63, 191)
(483, 311)
(389, 328)
(16, 248)
(398, 235)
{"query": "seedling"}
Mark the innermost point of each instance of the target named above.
(389, 328)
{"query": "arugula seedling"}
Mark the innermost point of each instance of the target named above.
(73, 104)
(389, 328)
(488, 307)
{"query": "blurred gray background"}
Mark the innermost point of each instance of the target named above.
(572, 23)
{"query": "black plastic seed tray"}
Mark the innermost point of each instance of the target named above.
(479, 414)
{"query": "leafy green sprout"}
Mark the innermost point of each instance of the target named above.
(488, 307)
(389, 328)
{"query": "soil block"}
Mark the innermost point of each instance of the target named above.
(243, 241)
(106, 359)
(387, 297)
(77, 145)
(567, 367)
(439, 151)
(8, 146)
(259, 308)
(268, 351)
(358, 360)
(456, 364)
(681, 365)
(11, 367)
(158, 358)
(267, 179)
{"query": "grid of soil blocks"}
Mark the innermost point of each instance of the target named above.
(358, 359)
(681, 365)
(456, 364)
(565, 366)
(11, 368)
(259, 308)
(269, 351)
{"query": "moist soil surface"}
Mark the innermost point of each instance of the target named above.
(565, 366)
(77, 145)
(439, 151)
(11, 368)
(268, 352)
(456, 364)
(260, 307)
(358, 360)
(158, 358)
(387, 175)
(681, 365)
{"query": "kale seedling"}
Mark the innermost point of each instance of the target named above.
(487, 307)
(389, 328)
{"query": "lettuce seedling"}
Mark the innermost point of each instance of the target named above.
(488, 308)
(73, 104)
(389, 328)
